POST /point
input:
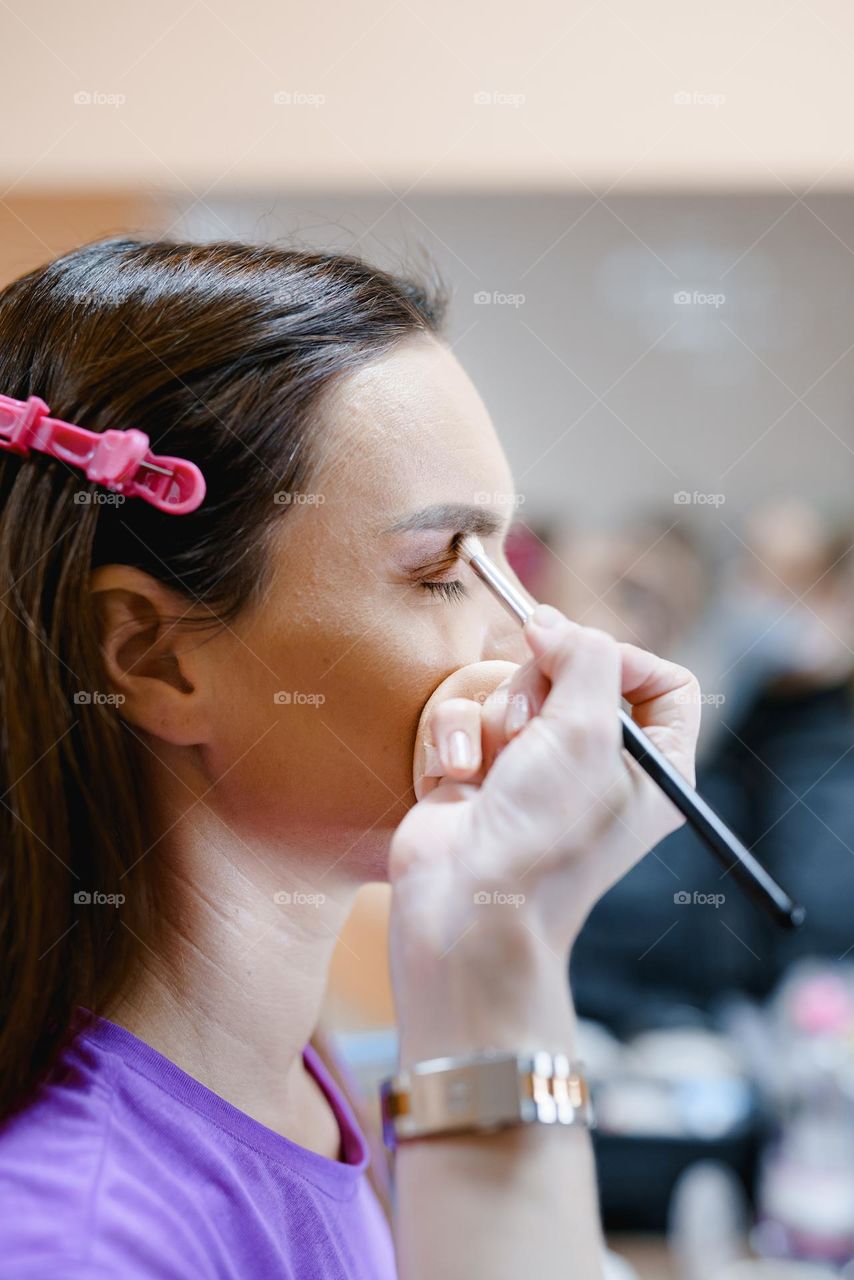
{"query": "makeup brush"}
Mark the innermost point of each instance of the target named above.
(711, 829)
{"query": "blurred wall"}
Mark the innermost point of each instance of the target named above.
(430, 92)
(37, 226)
(633, 351)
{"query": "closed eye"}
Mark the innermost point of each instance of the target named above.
(454, 590)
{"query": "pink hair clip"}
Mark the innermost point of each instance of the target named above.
(119, 460)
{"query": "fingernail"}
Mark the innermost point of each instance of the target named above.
(433, 767)
(460, 753)
(518, 713)
(546, 616)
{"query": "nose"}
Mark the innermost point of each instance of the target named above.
(503, 639)
(506, 641)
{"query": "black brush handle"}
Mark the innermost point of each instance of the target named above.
(722, 842)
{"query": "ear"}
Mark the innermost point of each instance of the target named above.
(151, 661)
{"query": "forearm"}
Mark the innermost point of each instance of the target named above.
(516, 1203)
(521, 1201)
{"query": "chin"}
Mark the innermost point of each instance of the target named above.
(358, 848)
(366, 860)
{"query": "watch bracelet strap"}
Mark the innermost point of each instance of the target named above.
(484, 1092)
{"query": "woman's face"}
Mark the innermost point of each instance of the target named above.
(319, 690)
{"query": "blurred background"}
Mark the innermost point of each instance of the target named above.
(646, 217)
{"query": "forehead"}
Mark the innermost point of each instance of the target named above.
(410, 429)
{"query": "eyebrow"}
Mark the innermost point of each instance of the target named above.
(457, 516)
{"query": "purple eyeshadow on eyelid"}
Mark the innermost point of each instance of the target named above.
(436, 568)
(437, 565)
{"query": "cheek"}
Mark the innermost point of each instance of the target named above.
(316, 741)
(363, 742)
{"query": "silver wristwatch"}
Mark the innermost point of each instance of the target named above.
(484, 1091)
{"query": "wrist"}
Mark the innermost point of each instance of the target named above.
(495, 988)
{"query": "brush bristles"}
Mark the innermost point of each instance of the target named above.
(470, 545)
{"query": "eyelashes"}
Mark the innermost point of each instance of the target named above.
(446, 590)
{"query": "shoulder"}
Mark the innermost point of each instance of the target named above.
(78, 1186)
(51, 1151)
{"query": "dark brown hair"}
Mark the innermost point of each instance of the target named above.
(221, 353)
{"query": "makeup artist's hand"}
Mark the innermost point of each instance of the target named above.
(493, 872)
(549, 812)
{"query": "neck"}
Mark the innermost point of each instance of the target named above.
(232, 985)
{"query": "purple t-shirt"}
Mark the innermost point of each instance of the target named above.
(125, 1166)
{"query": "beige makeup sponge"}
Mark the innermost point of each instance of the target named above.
(476, 681)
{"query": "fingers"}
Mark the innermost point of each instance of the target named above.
(486, 727)
(526, 693)
(471, 683)
(648, 679)
(582, 667)
(510, 707)
(573, 683)
(665, 700)
(456, 727)
(590, 672)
